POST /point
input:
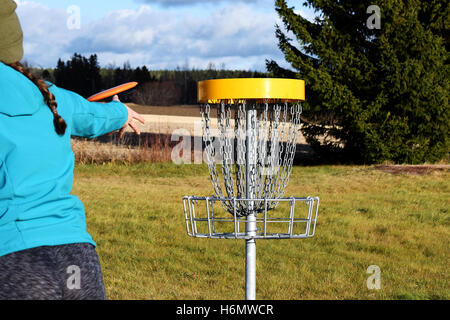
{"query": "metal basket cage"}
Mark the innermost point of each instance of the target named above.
(295, 218)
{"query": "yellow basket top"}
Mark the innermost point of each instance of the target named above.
(211, 91)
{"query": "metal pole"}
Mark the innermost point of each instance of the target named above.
(250, 227)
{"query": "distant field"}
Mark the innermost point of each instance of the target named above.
(398, 222)
(181, 110)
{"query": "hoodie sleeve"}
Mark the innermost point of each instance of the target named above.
(91, 119)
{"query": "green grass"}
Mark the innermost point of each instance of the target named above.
(366, 217)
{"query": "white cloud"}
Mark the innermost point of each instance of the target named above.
(238, 35)
(191, 2)
(310, 16)
(45, 32)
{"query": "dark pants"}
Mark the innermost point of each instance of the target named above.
(66, 272)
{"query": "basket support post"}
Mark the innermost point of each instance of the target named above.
(250, 227)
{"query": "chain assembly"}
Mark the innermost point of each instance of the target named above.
(273, 129)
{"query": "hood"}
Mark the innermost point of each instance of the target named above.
(18, 95)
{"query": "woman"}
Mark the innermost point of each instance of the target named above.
(45, 249)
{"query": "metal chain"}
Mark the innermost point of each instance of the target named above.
(240, 148)
(262, 151)
(210, 150)
(274, 130)
(291, 145)
(226, 148)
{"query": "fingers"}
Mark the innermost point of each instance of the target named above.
(122, 132)
(134, 115)
(132, 126)
(115, 98)
(131, 115)
(138, 117)
(135, 128)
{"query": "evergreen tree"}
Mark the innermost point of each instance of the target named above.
(79, 74)
(374, 94)
(141, 75)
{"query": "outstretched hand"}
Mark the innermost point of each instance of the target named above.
(131, 116)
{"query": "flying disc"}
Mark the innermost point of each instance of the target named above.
(113, 91)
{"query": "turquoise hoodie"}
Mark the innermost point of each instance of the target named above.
(36, 164)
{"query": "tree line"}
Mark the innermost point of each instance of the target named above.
(84, 76)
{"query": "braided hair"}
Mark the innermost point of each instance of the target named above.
(49, 98)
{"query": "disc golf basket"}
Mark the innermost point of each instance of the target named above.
(250, 160)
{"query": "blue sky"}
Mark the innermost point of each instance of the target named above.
(235, 34)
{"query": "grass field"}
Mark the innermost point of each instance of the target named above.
(367, 217)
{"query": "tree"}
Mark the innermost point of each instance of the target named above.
(373, 94)
(142, 75)
(79, 74)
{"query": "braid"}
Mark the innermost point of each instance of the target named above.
(49, 98)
